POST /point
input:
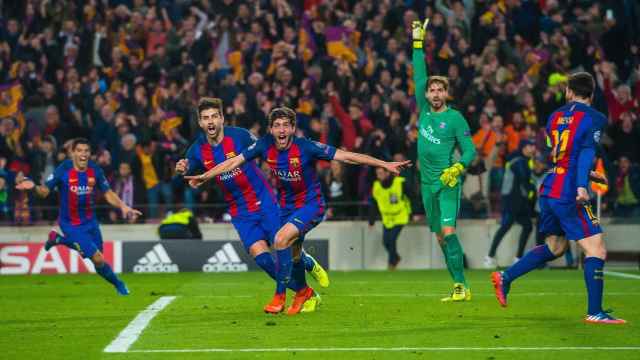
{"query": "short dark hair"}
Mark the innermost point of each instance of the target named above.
(581, 84)
(438, 80)
(80, 141)
(282, 112)
(209, 103)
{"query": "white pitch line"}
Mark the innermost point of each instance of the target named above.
(414, 295)
(130, 334)
(398, 349)
(622, 275)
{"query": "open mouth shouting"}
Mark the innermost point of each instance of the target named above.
(282, 140)
(212, 131)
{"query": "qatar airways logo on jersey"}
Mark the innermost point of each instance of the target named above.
(229, 174)
(287, 175)
(428, 134)
(81, 189)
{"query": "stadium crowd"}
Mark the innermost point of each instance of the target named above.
(127, 74)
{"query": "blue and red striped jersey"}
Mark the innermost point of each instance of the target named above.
(573, 131)
(245, 188)
(294, 169)
(76, 188)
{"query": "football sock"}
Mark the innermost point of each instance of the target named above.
(455, 258)
(531, 260)
(298, 276)
(594, 279)
(265, 261)
(445, 252)
(283, 266)
(107, 273)
(308, 262)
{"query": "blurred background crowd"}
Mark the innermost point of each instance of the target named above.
(126, 74)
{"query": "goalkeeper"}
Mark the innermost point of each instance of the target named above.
(441, 129)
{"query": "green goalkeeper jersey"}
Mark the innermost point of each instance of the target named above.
(438, 133)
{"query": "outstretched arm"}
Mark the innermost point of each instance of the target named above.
(114, 200)
(225, 166)
(27, 184)
(362, 159)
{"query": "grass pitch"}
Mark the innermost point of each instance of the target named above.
(76, 317)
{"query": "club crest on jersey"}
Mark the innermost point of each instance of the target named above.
(229, 155)
(91, 181)
(294, 161)
(442, 125)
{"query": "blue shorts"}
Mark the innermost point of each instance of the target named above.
(304, 218)
(574, 221)
(86, 238)
(262, 225)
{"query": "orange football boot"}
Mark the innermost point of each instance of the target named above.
(276, 305)
(301, 297)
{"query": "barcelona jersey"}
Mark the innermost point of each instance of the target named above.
(573, 132)
(245, 189)
(77, 192)
(294, 169)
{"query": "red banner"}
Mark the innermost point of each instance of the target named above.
(31, 258)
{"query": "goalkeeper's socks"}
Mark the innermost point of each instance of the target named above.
(265, 261)
(594, 279)
(455, 258)
(533, 259)
(298, 274)
(283, 266)
(107, 273)
(445, 252)
(308, 261)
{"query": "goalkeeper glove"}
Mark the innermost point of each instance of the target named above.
(451, 174)
(418, 30)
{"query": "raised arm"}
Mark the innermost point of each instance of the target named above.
(419, 67)
(363, 159)
(225, 166)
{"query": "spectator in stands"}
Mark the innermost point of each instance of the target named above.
(129, 189)
(4, 192)
(625, 137)
(337, 188)
(620, 100)
(151, 165)
(627, 189)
